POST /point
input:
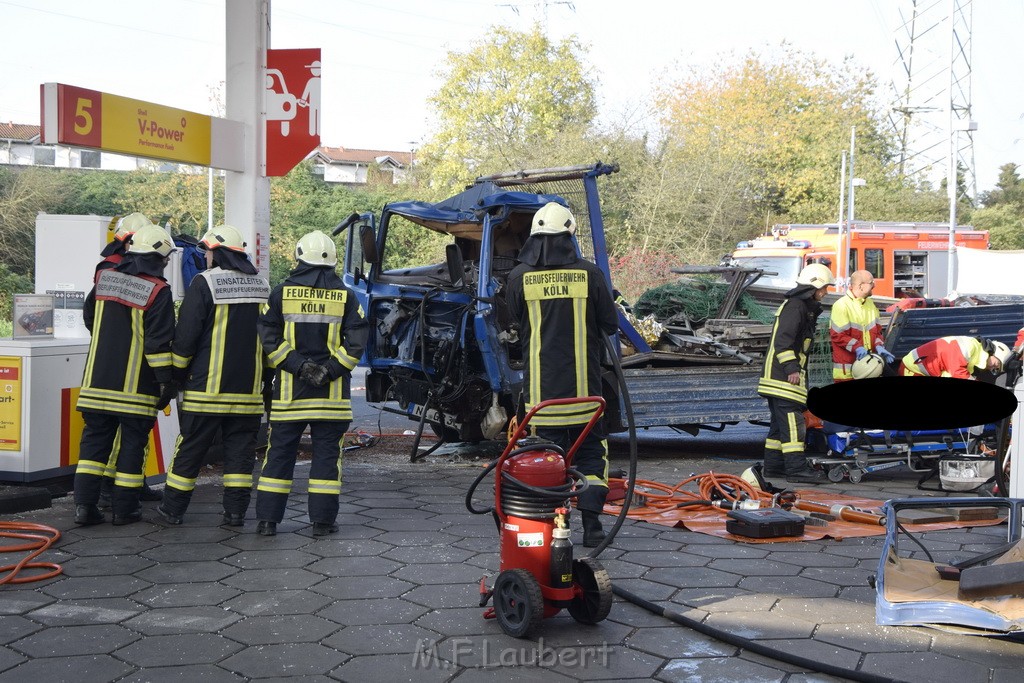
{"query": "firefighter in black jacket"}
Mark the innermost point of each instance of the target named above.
(219, 361)
(127, 373)
(564, 305)
(313, 332)
(784, 379)
(113, 253)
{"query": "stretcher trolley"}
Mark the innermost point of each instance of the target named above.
(850, 453)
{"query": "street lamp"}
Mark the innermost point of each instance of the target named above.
(955, 126)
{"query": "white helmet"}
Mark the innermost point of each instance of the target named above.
(553, 219)
(316, 249)
(128, 225)
(869, 366)
(817, 275)
(1002, 352)
(226, 236)
(151, 239)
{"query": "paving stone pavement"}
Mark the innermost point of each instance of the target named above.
(393, 597)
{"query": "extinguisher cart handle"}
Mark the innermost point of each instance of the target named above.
(599, 408)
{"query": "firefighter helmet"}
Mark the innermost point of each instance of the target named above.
(226, 236)
(817, 275)
(553, 219)
(127, 225)
(869, 366)
(316, 249)
(1001, 352)
(151, 239)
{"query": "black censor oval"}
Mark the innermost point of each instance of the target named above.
(911, 403)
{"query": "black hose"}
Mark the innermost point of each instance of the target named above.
(724, 636)
(750, 645)
(494, 463)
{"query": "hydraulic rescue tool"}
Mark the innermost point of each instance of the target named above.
(533, 485)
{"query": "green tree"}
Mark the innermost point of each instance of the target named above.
(754, 141)
(23, 194)
(509, 96)
(1009, 188)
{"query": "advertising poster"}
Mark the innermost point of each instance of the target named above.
(33, 315)
(10, 403)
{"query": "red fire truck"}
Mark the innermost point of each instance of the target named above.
(906, 259)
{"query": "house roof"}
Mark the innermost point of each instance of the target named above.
(19, 132)
(342, 155)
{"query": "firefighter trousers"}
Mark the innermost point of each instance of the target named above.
(275, 481)
(784, 445)
(97, 443)
(238, 441)
(590, 460)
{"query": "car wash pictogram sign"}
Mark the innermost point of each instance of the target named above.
(292, 106)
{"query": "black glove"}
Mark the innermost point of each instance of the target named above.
(168, 392)
(313, 373)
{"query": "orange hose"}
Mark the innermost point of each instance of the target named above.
(662, 497)
(37, 544)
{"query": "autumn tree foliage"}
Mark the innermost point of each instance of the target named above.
(753, 141)
(509, 96)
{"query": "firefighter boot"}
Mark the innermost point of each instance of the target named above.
(236, 502)
(106, 487)
(799, 472)
(175, 502)
(126, 506)
(774, 465)
(265, 528)
(593, 534)
(86, 515)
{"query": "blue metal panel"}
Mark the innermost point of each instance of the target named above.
(909, 329)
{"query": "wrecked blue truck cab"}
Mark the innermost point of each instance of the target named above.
(442, 340)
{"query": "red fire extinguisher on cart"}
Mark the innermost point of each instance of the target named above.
(533, 487)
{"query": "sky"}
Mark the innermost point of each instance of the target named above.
(381, 58)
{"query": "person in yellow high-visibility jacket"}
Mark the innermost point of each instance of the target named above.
(854, 328)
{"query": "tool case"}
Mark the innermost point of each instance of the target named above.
(764, 523)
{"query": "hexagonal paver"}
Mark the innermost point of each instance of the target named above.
(80, 668)
(10, 658)
(290, 628)
(718, 670)
(207, 673)
(286, 660)
(787, 586)
(925, 666)
(606, 662)
(379, 611)
(23, 602)
(439, 574)
(870, 638)
(676, 642)
(181, 572)
(269, 559)
(693, 577)
(393, 668)
(427, 554)
(359, 565)
(380, 639)
(824, 610)
(178, 650)
(98, 565)
(725, 600)
(197, 619)
(332, 547)
(186, 594)
(189, 535)
(360, 587)
(450, 595)
(95, 587)
(202, 552)
(404, 538)
(82, 612)
(16, 627)
(108, 547)
(759, 625)
(260, 603)
(664, 558)
(271, 579)
(69, 641)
